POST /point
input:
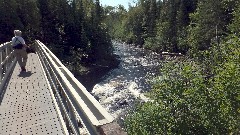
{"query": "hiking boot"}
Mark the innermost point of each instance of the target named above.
(23, 69)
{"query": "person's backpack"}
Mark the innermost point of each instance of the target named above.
(18, 46)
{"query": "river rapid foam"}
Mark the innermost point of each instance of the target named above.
(122, 86)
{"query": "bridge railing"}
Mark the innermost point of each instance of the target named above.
(80, 110)
(7, 62)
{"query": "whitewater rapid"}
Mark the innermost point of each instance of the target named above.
(122, 86)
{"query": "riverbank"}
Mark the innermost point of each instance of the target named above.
(118, 82)
(92, 74)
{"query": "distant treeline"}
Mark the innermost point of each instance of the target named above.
(172, 25)
(71, 28)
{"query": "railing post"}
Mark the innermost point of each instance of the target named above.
(1, 60)
(4, 56)
(7, 55)
(7, 63)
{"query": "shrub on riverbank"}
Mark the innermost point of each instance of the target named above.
(194, 97)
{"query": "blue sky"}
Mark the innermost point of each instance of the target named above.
(116, 2)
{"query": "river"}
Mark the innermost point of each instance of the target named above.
(120, 88)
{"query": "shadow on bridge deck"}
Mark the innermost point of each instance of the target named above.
(27, 105)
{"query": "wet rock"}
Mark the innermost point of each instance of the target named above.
(111, 129)
(96, 97)
(122, 102)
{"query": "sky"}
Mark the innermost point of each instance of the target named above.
(116, 2)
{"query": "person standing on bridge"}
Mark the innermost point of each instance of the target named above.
(19, 47)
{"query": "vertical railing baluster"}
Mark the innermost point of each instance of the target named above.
(1, 72)
(4, 56)
(7, 62)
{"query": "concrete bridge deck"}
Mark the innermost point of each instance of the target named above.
(27, 106)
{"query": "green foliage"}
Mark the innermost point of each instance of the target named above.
(30, 20)
(201, 96)
(134, 25)
(235, 26)
(187, 100)
(115, 21)
(209, 23)
(176, 25)
(160, 42)
(9, 19)
(156, 25)
(182, 40)
(64, 26)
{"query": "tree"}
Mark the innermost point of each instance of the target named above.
(186, 7)
(115, 20)
(9, 19)
(210, 17)
(100, 42)
(166, 36)
(49, 33)
(235, 25)
(134, 26)
(185, 98)
(30, 20)
(150, 18)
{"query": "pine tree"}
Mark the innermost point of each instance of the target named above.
(49, 33)
(30, 20)
(149, 20)
(235, 25)
(209, 22)
(9, 20)
(183, 20)
(167, 30)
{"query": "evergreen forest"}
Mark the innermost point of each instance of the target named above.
(72, 29)
(198, 94)
(195, 94)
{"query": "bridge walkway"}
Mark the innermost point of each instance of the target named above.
(27, 106)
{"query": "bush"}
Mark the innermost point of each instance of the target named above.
(186, 100)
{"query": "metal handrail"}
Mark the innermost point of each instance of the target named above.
(77, 105)
(7, 63)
